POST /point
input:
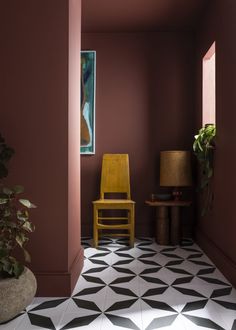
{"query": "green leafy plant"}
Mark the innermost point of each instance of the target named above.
(203, 147)
(14, 229)
(14, 220)
(5, 155)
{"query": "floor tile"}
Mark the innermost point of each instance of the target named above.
(166, 296)
(146, 287)
(13, 324)
(116, 295)
(123, 314)
(198, 288)
(99, 257)
(164, 274)
(209, 316)
(213, 273)
(126, 267)
(193, 266)
(227, 303)
(83, 320)
(93, 300)
(99, 277)
(124, 285)
(36, 322)
(88, 283)
(161, 311)
(46, 313)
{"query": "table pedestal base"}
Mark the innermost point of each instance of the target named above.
(175, 226)
(168, 232)
(162, 228)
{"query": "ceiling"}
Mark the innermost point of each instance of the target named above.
(140, 15)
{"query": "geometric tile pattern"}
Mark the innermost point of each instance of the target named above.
(145, 287)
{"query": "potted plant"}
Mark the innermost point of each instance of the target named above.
(17, 282)
(203, 147)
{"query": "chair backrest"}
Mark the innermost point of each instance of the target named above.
(115, 174)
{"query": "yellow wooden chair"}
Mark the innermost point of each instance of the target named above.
(115, 179)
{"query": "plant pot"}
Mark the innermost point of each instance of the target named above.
(16, 294)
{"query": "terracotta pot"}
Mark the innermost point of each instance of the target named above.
(16, 294)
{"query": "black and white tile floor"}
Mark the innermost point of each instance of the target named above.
(146, 287)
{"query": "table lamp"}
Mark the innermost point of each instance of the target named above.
(175, 170)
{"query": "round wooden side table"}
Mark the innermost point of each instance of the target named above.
(168, 231)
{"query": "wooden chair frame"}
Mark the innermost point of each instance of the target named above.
(115, 178)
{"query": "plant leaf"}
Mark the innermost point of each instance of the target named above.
(210, 173)
(3, 200)
(18, 269)
(22, 215)
(18, 189)
(10, 224)
(21, 239)
(7, 191)
(27, 203)
(7, 267)
(27, 256)
(28, 226)
(199, 145)
(6, 213)
(204, 183)
(3, 253)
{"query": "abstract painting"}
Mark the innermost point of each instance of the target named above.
(88, 67)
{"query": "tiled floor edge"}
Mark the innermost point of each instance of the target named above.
(222, 261)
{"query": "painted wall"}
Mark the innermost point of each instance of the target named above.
(144, 103)
(75, 251)
(208, 89)
(35, 121)
(216, 231)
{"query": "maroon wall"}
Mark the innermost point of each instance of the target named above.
(144, 103)
(216, 231)
(75, 252)
(34, 120)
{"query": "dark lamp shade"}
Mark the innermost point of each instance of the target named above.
(175, 168)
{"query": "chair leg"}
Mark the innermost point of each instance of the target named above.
(95, 229)
(98, 221)
(131, 219)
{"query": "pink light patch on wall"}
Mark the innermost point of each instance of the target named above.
(208, 87)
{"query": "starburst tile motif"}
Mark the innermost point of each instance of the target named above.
(86, 321)
(142, 288)
(48, 304)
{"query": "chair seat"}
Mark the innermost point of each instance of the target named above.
(113, 201)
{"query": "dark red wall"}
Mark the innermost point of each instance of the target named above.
(216, 231)
(144, 103)
(34, 121)
(75, 251)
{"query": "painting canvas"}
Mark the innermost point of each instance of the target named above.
(88, 67)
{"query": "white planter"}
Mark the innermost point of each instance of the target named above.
(16, 294)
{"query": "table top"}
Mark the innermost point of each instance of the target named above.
(168, 203)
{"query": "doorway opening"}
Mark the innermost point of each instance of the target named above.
(209, 87)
